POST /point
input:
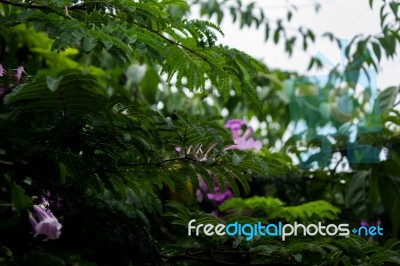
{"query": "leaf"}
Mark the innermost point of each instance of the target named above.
(289, 16)
(89, 42)
(395, 215)
(392, 243)
(76, 93)
(52, 83)
(12, 221)
(63, 172)
(311, 35)
(20, 200)
(358, 192)
(301, 246)
(276, 35)
(267, 30)
(387, 98)
(390, 197)
(5, 251)
(149, 84)
(370, 2)
(394, 7)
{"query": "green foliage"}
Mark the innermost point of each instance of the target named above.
(272, 209)
(387, 98)
(78, 100)
(268, 250)
(118, 111)
(139, 30)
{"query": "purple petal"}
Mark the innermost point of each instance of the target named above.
(215, 213)
(364, 223)
(49, 227)
(203, 185)
(220, 197)
(228, 194)
(248, 133)
(40, 213)
(258, 145)
(234, 124)
(199, 196)
(20, 70)
(33, 222)
(58, 204)
(235, 133)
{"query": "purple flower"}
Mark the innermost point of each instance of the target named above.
(245, 142)
(45, 201)
(217, 196)
(58, 203)
(19, 71)
(2, 70)
(215, 213)
(235, 125)
(364, 223)
(46, 224)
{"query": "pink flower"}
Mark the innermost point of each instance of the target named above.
(364, 223)
(2, 70)
(45, 201)
(46, 225)
(235, 125)
(246, 142)
(215, 213)
(217, 196)
(19, 71)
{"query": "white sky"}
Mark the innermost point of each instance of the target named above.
(344, 18)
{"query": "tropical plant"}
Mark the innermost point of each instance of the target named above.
(110, 121)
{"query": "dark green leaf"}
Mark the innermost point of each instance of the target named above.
(387, 98)
(20, 200)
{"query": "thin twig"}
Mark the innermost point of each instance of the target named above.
(337, 164)
(160, 163)
(6, 162)
(35, 6)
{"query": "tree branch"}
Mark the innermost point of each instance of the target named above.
(83, 7)
(34, 6)
(162, 162)
(6, 162)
